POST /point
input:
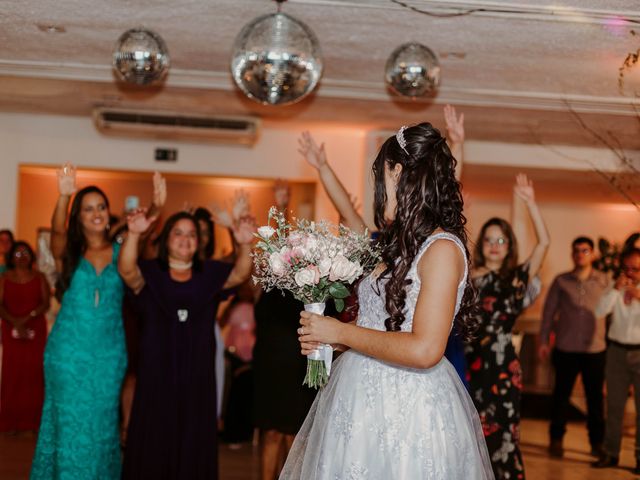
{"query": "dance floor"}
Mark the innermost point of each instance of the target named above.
(242, 463)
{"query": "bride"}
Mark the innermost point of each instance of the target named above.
(394, 407)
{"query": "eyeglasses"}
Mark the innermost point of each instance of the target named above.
(495, 241)
(584, 251)
(21, 253)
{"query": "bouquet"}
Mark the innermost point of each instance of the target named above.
(315, 262)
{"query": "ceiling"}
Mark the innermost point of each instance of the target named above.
(515, 68)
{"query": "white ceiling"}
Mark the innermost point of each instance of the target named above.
(515, 69)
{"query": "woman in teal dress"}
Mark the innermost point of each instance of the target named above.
(85, 357)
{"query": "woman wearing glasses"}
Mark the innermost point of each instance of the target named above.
(493, 365)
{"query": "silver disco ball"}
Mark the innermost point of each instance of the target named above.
(276, 60)
(141, 57)
(413, 70)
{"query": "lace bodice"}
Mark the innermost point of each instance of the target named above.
(371, 292)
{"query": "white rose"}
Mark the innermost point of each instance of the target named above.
(311, 242)
(344, 270)
(324, 265)
(266, 232)
(277, 264)
(307, 276)
(357, 273)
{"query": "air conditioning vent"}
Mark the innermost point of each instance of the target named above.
(177, 126)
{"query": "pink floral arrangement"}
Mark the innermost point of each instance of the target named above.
(315, 262)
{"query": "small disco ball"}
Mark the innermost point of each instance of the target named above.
(412, 70)
(141, 57)
(276, 60)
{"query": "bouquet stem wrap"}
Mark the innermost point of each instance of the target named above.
(318, 362)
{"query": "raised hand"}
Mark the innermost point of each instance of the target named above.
(188, 207)
(240, 206)
(454, 124)
(221, 216)
(312, 153)
(244, 229)
(137, 221)
(66, 180)
(524, 188)
(159, 190)
(282, 194)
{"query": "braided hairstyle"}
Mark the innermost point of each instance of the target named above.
(428, 197)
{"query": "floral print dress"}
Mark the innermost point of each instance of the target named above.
(494, 374)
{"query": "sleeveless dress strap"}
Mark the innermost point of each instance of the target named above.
(444, 236)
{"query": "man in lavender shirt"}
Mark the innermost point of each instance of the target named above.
(569, 312)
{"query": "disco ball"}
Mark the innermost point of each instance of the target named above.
(141, 57)
(412, 70)
(276, 60)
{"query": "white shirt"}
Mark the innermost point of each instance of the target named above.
(625, 319)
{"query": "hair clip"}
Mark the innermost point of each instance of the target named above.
(401, 140)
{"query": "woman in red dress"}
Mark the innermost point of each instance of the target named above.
(24, 299)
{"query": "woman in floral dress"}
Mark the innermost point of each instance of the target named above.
(494, 374)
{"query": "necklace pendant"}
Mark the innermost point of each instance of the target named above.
(183, 315)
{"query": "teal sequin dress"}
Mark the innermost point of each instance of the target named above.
(84, 364)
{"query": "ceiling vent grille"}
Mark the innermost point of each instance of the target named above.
(164, 125)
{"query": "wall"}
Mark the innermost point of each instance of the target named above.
(53, 140)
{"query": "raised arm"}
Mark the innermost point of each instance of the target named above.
(524, 190)
(440, 270)
(455, 136)
(159, 195)
(316, 157)
(243, 232)
(66, 188)
(138, 223)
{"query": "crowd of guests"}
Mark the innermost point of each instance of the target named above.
(133, 380)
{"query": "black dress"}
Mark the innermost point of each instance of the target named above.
(173, 427)
(281, 402)
(495, 376)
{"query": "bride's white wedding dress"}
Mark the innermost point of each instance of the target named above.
(375, 420)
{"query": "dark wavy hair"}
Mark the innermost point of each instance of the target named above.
(8, 258)
(202, 214)
(76, 240)
(510, 262)
(9, 233)
(428, 197)
(163, 240)
(630, 242)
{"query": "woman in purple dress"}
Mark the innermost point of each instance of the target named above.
(173, 430)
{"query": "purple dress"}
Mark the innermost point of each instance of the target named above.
(173, 427)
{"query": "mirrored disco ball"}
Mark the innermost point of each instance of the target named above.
(276, 60)
(413, 70)
(141, 57)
